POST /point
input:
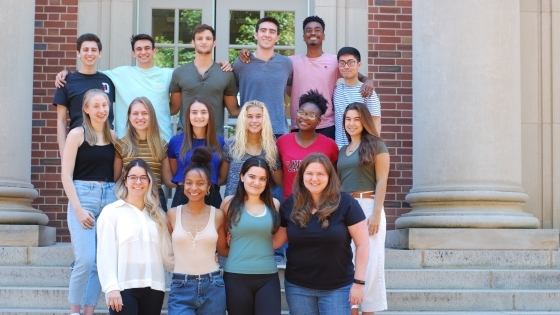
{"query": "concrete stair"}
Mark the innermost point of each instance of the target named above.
(419, 282)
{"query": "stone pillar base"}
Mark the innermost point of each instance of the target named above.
(491, 239)
(27, 235)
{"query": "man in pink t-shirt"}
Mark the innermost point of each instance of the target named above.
(315, 70)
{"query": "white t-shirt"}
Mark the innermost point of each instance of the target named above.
(132, 82)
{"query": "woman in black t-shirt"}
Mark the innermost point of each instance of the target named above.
(320, 222)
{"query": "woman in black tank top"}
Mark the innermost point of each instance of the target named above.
(87, 177)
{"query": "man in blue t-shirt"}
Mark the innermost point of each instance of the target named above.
(69, 99)
(265, 77)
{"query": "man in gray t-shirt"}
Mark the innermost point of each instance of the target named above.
(204, 77)
(265, 77)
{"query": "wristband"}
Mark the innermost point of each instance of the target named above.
(356, 281)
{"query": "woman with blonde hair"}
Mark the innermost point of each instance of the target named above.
(363, 166)
(134, 245)
(253, 137)
(142, 140)
(200, 130)
(320, 222)
(88, 181)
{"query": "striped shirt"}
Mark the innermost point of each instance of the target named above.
(144, 154)
(344, 95)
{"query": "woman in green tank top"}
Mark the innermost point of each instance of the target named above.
(250, 273)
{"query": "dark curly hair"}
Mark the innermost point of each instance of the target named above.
(314, 18)
(314, 97)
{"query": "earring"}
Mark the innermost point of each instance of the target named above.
(208, 192)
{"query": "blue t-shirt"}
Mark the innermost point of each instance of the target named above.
(174, 152)
(265, 81)
(72, 94)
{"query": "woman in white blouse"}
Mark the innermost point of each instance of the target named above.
(133, 245)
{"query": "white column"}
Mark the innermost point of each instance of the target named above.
(16, 192)
(466, 120)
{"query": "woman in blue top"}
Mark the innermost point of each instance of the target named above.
(251, 275)
(199, 131)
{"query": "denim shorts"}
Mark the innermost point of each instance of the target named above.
(193, 295)
(314, 302)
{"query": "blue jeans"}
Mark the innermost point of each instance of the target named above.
(191, 295)
(84, 289)
(304, 301)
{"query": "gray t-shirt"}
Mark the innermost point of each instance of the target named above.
(213, 85)
(235, 166)
(265, 82)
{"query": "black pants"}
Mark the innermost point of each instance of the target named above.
(248, 294)
(162, 199)
(140, 301)
(329, 131)
(214, 199)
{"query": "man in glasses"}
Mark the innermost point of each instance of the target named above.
(349, 92)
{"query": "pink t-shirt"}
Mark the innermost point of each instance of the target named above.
(291, 154)
(314, 73)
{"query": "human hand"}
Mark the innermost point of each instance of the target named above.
(356, 294)
(373, 223)
(59, 81)
(114, 300)
(228, 238)
(226, 66)
(244, 55)
(367, 88)
(86, 218)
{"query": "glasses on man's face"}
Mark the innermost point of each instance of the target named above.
(349, 63)
(304, 114)
(133, 178)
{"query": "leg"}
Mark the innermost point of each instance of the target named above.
(150, 302)
(268, 299)
(182, 298)
(130, 303)
(239, 294)
(375, 295)
(334, 302)
(213, 296)
(162, 199)
(328, 131)
(301, 301)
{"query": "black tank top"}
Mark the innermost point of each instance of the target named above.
(94, 163)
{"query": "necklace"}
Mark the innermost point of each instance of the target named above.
(196, 227)
(350, 151)
(253, 149)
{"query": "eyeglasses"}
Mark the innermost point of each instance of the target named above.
(302, 113)
(349, 63)
(133, 178)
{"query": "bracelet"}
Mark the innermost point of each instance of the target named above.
(356, 281)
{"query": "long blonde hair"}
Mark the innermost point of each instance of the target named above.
(131, 141)
(89, 133)
(239, 147)
(151, 198)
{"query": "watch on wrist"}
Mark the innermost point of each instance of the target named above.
(356, 281)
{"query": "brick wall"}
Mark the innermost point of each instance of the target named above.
(56, 26)
(390, 60)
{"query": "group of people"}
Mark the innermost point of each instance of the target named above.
(332, 168)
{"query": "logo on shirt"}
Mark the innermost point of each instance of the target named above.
(293, 165)
(106, 87)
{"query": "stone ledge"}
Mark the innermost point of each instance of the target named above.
(27, 235)
(491, 239)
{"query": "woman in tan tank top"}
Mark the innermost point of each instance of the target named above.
(196, 231)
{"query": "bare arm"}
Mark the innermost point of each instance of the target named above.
(223, 248)
(381, 164)
(367, 88)
(117, 168)
(220, 222)
(359, 234)
(171, 213)
(280, 238)
(277, 177)
(231, 104)
(377, 123)
(223, 173)
(175, 102)
(61, 118)
(73, 141)
(166, 173)
(173, 165)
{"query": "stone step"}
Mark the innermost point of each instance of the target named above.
(473, 300)
(41, 298)
(61, 255)
(38, 276)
